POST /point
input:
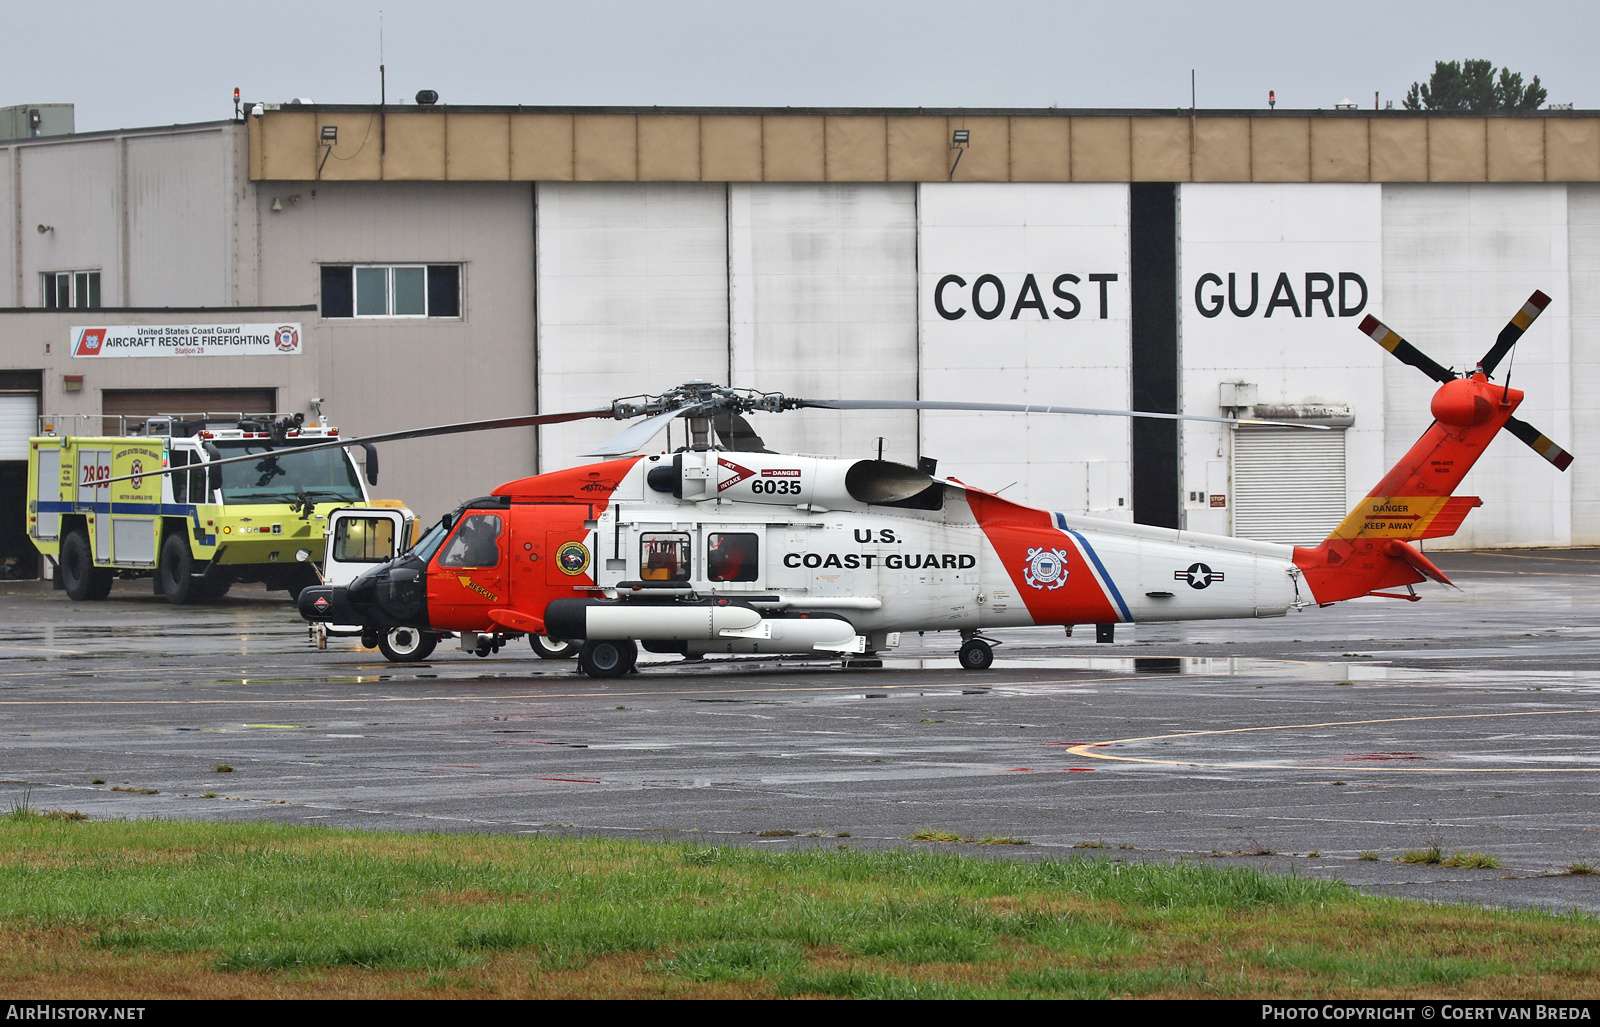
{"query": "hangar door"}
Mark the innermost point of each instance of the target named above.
(19, 419)
(137, 404)
(1288, 484)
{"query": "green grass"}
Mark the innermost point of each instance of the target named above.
(235, 907)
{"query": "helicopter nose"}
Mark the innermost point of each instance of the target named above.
(327, 603)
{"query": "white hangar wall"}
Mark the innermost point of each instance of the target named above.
(823, 300)
(1458, 261)
(1011, 311)
(632, 298)
(1273, 280)
(1583, 270)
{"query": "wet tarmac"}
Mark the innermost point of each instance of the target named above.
(1325, 743)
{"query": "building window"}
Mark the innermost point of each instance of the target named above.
(71, 290)
(391, 290)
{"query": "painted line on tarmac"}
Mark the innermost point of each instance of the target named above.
(1084, 749)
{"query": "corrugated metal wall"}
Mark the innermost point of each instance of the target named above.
(1583, 248)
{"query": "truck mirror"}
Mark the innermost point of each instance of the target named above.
(213, 473)
(372, 462)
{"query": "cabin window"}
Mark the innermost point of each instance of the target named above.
(733, 556)
(476, 543)
(364, 540)
(664, 556)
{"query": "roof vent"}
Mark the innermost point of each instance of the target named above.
(427, 97)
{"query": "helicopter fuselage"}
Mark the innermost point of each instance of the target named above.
(712, 551)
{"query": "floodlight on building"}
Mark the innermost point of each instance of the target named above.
(330, 134)
(960, 137)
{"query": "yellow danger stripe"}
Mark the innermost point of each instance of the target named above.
(1391, 517)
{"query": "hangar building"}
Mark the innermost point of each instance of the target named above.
(447, 263)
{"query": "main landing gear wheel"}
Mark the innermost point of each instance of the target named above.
(406, 645)
(547, 648)
(79, 576)
(606, 658)
(976, 654)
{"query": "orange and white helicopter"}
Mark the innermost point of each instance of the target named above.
(725, 547)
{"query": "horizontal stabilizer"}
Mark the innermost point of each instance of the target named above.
(1448, 520)
(1417, 562)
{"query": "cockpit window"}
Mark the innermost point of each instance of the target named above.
(664, 556)
(476, 543)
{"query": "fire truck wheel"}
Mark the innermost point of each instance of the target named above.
(976, 654)
(177, 583)
(406, 645)
(547, 648)
(81, 578)
(607, 658)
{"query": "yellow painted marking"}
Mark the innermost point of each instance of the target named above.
(1390, 517)
(281, 727)
(1084, 750)
(1522, 318)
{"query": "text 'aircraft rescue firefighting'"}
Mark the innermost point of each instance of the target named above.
(724, 547)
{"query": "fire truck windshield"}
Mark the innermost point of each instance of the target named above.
(324, 475)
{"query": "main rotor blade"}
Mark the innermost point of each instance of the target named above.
(522, 421)
(1513, 331)
(1390, 340)
(1539, 443)
(1031, 408)
(637, 434)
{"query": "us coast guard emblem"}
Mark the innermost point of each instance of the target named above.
(1047, 568)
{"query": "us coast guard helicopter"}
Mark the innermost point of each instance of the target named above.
(724, 547)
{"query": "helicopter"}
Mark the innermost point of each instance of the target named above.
(725, 547)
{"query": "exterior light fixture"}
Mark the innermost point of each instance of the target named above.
(1272, 98)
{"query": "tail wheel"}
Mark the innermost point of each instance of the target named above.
(607, 658)
(406, 645)
(79, 576)
(976, 654)
(547, 648)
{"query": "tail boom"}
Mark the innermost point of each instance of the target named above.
(1369, 549)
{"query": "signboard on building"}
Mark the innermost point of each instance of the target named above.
(224, 340)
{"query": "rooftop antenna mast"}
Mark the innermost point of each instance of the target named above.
(383, 95)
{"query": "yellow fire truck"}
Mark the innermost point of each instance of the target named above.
(195, 531)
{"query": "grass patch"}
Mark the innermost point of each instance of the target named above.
(218, 910)
(1580, 870)
(1431, 856)
(1480, 860)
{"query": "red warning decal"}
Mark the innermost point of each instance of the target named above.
(739, 474)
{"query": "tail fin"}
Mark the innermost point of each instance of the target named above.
(1368, 550)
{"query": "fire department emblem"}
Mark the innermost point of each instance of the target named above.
(287, 339)
(1047, 568)
(136, 468)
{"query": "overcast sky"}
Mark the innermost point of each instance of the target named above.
(130, 64)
